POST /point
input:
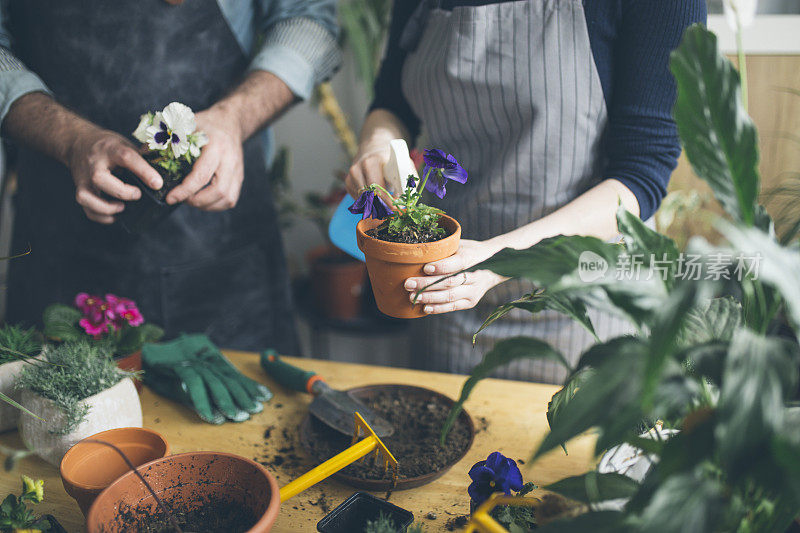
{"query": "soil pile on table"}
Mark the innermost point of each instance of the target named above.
(215, 516)
(415, 443)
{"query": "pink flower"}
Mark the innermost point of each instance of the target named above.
(95, 322)
(124, 310)
(85, 301)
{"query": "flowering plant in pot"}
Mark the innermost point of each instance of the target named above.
(397, 243)
(715, 355)
(171, 143)
(79, 393)
(15, 516)
(113, 322)
(18, 347)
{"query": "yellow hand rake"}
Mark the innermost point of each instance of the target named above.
(356, 451)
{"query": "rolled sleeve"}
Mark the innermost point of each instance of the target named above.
(301, 52)
(15, 81)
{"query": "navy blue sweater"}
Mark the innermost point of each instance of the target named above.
(631, 41)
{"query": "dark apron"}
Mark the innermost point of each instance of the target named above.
(222, 274)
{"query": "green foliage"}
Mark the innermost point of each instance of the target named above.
(715, 357)
(18, 343)
(14, 512)
(413, 221)
(61, 323)
(364, 24)
(385, 524)
(78, 370)
(517, 518)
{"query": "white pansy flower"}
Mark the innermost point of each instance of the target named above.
(740, 13)
(197, 141)
(145, 121)
(171, 129)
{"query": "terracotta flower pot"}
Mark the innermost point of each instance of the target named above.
(391, 263)
(132, 363)
(88, 468)
(187, 481)
(337, 282)
(115, 407)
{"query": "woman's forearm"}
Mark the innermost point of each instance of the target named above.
(594, 213)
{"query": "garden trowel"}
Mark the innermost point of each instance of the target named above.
(334, 408)
(342, 228)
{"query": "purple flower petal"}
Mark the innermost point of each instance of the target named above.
(435, 158)
(361, 203)
(411, 183)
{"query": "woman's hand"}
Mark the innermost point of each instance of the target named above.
(462, 291)
(367, 168)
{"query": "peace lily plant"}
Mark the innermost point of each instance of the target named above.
(715, 356)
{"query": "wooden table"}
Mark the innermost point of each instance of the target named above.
(509, 415)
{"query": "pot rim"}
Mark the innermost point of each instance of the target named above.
(402, 252)
(267, 518)
(68, 482)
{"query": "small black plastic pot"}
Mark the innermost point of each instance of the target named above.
(147, 211)
(354, 513)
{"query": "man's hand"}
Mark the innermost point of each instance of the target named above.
(92, 158)
(216, 179)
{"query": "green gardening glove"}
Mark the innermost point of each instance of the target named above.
(192, 371)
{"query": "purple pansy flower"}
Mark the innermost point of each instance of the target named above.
(496, 474)
(442, 167)
(411, 183)
(371, 205)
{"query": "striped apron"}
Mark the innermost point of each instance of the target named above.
(510, 89)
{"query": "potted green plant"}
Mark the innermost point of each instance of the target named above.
(398, 243)
(716, 357)
(18, 346)
(170, 142)
(111, 321)
(16, 517)
(79, 393)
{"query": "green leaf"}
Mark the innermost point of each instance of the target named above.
(760, 372)
(151, 333)
(685, 503)
(639, 239)
(715, 320)
(609, 399)
(539, 301)
(503, 353)
(718, 137)
(560, 399)
(61, 322)
(596, 522)
(8, 400)
(593, 487)
(774, 265)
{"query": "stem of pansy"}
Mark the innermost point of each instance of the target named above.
(422, 183)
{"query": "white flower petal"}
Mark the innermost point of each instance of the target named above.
(179, 119)
(740, 13)
(200, 139)
(194, 150)
(179, 148)
(140, 133)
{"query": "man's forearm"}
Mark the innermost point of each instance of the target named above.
(257, 101)
(40, 122)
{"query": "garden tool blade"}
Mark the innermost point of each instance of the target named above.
(336, 409)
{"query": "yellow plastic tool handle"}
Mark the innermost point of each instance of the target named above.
(481, 520)
(329, 467)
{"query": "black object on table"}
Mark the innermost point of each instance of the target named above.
(354, 513)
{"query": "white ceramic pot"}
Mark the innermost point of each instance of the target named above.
(9, 415)
(116, 407)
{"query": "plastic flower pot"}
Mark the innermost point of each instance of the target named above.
(354, 513)
(150, 209)
(132, 363)
(337, 282)
(187, 482)
(390, 263)
(88, 467)
(116, 407)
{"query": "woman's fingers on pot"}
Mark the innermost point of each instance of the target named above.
(452, 294)
(437, 282)
(449, 307)
(448, 265)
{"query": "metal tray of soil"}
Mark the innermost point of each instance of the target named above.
(417, 414)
